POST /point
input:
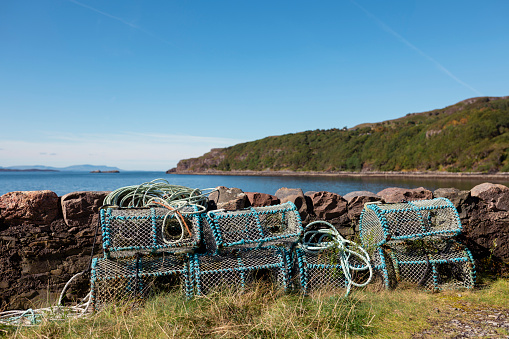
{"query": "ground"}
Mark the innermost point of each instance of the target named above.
(462, 319)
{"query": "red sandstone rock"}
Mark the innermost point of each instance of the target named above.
(261, 199)
(82, 208)
(396, 194)
(230, 199)
(296, 196)
(485, 221)
(495, 195)
(356, 201)
(29, 207)
(327, 205)
(349, 196)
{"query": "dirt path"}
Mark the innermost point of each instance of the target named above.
(462, 319)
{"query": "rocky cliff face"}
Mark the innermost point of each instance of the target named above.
(46, 239)
(204, 163)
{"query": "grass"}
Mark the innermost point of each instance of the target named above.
(264, 312)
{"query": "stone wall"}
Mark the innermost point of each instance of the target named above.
(46, 239)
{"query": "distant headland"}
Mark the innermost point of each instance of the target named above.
(467, 139)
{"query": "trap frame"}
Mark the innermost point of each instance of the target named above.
(382, 223)
(253, 227)
(414, 242)
(238, 269)
(127, 231)
(134, 278)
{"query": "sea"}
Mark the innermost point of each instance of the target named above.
(65, 182)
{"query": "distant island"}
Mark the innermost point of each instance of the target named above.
(470, 137)
(74, 168)
(99, 171)
(27, 170)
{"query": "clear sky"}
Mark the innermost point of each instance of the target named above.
(142, 84)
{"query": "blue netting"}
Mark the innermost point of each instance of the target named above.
(253, 227)
(134, 278)
(381, 223)
(126, 231)
(238, 269)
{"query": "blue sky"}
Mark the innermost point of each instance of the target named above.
(142, 84)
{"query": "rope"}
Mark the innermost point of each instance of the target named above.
(180, 219)
(161, 192)
(319, 240)
(148, 193)
(33, 317)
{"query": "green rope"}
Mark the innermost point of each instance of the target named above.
(159, 191)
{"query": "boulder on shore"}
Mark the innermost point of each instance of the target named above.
(356, 201)
(82, 208)
(296, 196)
(396, 194)
(261, 199)
(229, 199)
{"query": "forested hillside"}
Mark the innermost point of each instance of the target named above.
(472, 135)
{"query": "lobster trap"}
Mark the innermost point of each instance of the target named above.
(127, 231)
(253, 227)
(381, 223)
(238, 269)
(324, 270)
(435, 264)
(135, 278)
(412, 242)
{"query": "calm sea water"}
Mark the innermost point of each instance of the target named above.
(66, 182)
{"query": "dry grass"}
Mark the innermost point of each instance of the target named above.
(264, 312)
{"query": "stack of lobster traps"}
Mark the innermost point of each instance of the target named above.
(160, 248)
(145, 249)
(415, 242)
(270, 243)
(151, 249)
(245, 246)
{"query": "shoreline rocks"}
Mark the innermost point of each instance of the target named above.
(504, 176)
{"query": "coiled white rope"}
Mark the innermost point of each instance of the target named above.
(321, 239)
(33, 317)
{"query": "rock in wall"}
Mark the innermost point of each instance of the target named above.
(484, 214)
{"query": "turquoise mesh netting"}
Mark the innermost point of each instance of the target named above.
(127, 231)
(414, 242)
